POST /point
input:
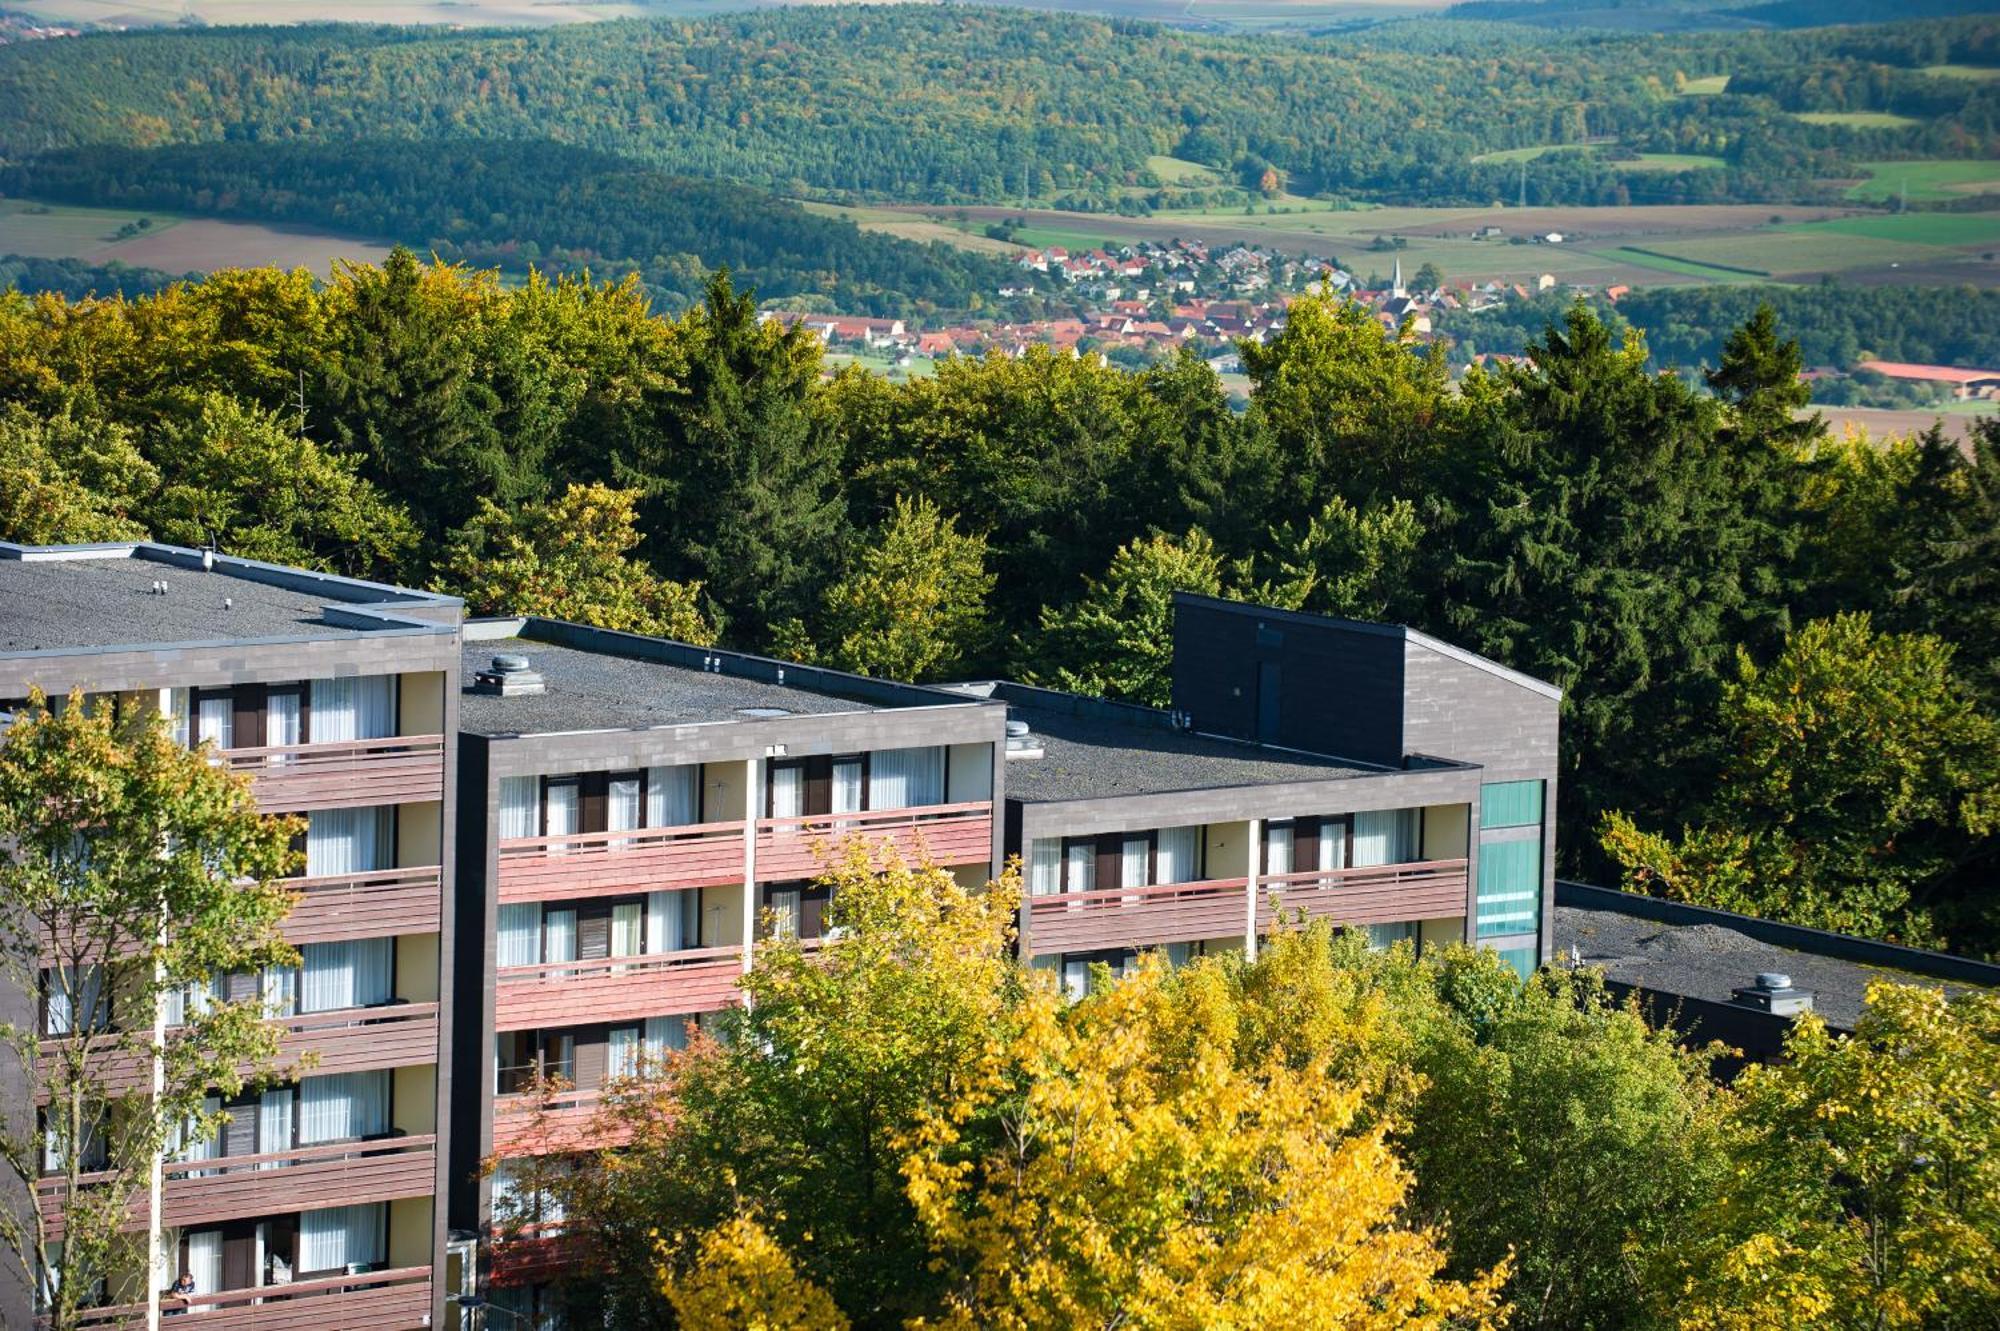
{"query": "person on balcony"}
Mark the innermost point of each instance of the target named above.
(181, 1290)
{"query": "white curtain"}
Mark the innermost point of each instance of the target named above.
(621, 1052)
(345, 975)
(1385, 836)
(628, 938)
(1045, 866)
(847, 787)
(1080, 867)
(274, 1124)
(279, 990)
(353, 708)
(785, 912)
(673, 920)
(788, 792)
(343, 1107)
(559, 936)
(1075, 979)
(1278, 848)
(188, 1000)
(1332, 846)
(1135, 867)
(1177, 854)
(281, 720)
(906, 778)
(76, 1000)
(349, 840)
(519, 936)
(342, 1236)
(174, 702)
(565, 811)
(673, 795)
(665, 1035)
(216, 722)
(623, 807)
(1381, 937)
(183, 1143)
(204, 1260)
(519, 814)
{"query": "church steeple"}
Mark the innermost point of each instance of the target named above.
(1396, 281)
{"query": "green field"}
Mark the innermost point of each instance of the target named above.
(1674, 162)
(1529, 154)
(1979, 73)
(1856, 119)
(1802, 250)
(1175, 171)
(1924, 180)
(1950, 229)
(920, 367)
(1643, 162)
(55, 231)
(1707, 87)
(1685, 267)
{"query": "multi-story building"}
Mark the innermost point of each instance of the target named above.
(1309, 768)
(316, 1205)
(634, 812)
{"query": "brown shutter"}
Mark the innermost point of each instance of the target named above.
(248, 704)
(1110, 859)
(593, 802)
(593, 933)
(1305, 843)
(819, 785)
(239, 1254)
(813, 902)
(590, 1057)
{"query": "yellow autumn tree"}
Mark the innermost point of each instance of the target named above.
(1146, 1161)
(740, 1279)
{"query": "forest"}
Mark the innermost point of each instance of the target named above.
(1679, 557)
(522, 203)
(1834, 323)
(965, 104)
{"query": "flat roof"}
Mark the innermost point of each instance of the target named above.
(1096, 750)
(607, 690)
(89, 598)
(1709, 960)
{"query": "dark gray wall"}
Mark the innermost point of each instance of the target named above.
(1341, 684)
(471, 1039)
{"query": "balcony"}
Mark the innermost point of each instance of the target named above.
(206, 1192)
(1378, 894)
(558, 1124)
(794, 848)
(297, 778)
(1138, 917)
(393, 1300)
(338, 907)
(1215, 908)
(563, 993)
(647, 859)
(537, 1253)
(346, 1040)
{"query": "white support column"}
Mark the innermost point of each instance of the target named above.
(753, 807)
(1252, 859)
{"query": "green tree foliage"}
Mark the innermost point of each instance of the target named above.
(570, 558)
(64, 480)
(1865, 1187)
(913, 607)
(1116, 640)
(1859, 773)
(134, 869)
(1953, 574)
(1349, 562)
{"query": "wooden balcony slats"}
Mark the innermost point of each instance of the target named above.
(1379, 894)
(560, 1125)
(792, 848)
(346, 1040)
(338, 907)
(554, 868)
(392, 1300)
(203, 1192)
(297, 778)
(563, 993)
(1215, 908)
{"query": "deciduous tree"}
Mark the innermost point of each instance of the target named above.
(1116, 640)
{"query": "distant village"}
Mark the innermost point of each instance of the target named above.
(1148, 299)
(1144, 301)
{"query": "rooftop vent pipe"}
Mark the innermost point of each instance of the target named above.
(1021, 742)
(508, 677)
(1772, 992)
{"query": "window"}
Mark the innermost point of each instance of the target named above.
(787, 798)
(1510, 804)
(673, 795)
(621, 1051)
(1386, 836)
(562, 810)
(849, 791)
(520, 814)
(624, 804)
(345, 1106)
(343, 841)
(673, 920)
(342, 1238)
(906, 778)
(284, 716)
(75, 1000)
(353, 708)
(215, 720)
(1080, 864)
(1177, 855)
(1522, 959)
(354, 974)
(518, 938)
(1045, 866)
(1382, 937)
(1510, 887)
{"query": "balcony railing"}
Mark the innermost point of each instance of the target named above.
(344, 1040)
(1138, 917)
(333, 908)
(1215, 907)
(790, 848)
(203, 1192)
(297, 778)
(392, 1300)
(534, 1254)
(1378, 894)
(558, 1124)
(552, 868)
(563, 993)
